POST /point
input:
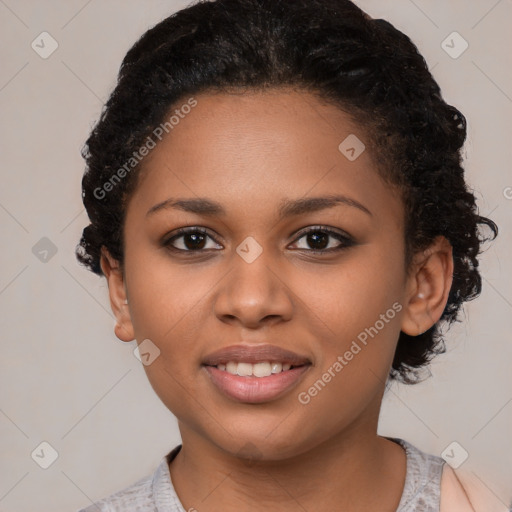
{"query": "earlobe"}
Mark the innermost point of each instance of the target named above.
(429, 285)
(110, 267)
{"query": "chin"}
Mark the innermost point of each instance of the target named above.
(268, 444)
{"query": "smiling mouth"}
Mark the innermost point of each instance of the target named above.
(260, 369)
(258, 382)
(255, 373)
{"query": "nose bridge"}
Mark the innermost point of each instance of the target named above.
(254, 289)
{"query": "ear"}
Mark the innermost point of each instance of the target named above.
(118, 301)
(429, 283)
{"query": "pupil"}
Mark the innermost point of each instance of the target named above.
(195, 237)
(314, 237)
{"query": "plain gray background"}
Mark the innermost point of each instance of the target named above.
(65, 379)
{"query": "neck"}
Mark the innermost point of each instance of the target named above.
(368, 472)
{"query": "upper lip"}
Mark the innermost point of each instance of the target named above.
(254, 354)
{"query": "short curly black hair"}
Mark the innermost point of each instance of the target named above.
(332, 49)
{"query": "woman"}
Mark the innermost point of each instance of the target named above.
(278, 205)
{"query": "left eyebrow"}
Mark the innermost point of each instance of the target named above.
(313, 204)
(287, 208)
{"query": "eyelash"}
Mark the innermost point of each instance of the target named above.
(346, 240)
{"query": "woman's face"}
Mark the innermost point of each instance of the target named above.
(257, 172)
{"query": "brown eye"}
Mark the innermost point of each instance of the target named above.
(317, 239)
(189, 240)
(322, 240)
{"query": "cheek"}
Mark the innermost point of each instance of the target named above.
(166, 299)
(353, 295)
(167, 307)
(351, 372)
(360, 303)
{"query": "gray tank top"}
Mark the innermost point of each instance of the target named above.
(156, 493)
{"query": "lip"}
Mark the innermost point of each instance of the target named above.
(254, 354)
(252, 389)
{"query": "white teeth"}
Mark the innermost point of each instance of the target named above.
(244, 369)
(231, 367)
(277, 367)
(263, 369)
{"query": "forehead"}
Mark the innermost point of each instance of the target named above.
(256, 148)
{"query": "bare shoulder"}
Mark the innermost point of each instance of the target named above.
(463, 493)
(454, 497)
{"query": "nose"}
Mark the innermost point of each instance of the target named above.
(254, 294)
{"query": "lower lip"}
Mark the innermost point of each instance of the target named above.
(255, 390)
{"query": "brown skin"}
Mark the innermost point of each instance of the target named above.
(249, 152)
